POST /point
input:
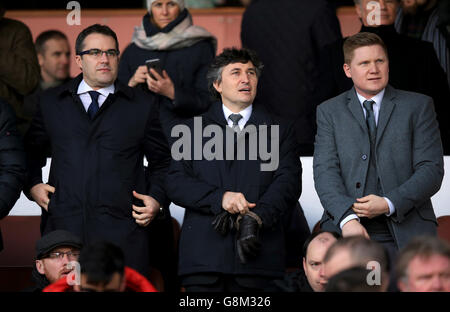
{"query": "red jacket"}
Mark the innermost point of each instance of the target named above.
(135, 282)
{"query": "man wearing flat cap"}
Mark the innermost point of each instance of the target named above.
(54, 251)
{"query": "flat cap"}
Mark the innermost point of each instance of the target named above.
(56, 239)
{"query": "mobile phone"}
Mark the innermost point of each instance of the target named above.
(156, 65)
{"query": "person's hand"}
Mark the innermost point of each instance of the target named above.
(354, 228)
(144, 215)
(140, 76)
(247, 243)
(39, 193)
(161, 84)
(370, 206)
(236, 203)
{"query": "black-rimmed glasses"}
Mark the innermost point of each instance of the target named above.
(98, 53)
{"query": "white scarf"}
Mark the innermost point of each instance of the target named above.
(181, 36)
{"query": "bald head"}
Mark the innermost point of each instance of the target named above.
(314, 255)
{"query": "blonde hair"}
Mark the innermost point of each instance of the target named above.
(362, 39)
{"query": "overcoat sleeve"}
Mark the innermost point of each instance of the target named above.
(37, 148)
(12, 160)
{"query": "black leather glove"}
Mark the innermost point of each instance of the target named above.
(223, 222)
(248, 244)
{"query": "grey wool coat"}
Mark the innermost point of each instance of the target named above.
(408, 154)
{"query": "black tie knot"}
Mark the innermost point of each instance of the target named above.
(94, 95)
(235, 118)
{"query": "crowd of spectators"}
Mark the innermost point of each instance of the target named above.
(371, 109)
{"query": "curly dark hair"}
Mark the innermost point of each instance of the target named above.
(230, 56)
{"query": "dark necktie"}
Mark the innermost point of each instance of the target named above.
(370, 119)
(376, 227)
(93, 107)
(235, 119)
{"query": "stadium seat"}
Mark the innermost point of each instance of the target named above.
(20, 234)
(444, 227)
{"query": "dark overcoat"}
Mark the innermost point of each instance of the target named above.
(199, 186)
(96, 164)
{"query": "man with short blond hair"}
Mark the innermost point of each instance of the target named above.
(413, 65)
(378, 155)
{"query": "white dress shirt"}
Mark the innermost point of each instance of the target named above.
(376, 110)
(245, 113)
(85, 98)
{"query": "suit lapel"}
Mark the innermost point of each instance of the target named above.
(70, 90)
(355, 107)
(215, 114)
(387, 106)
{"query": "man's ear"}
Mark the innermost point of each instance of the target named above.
(218, 86)
(79, 61)
(402, 286)
(40, 59)
(40, 266)
(347, 71)
(304, 264)
(358, 10)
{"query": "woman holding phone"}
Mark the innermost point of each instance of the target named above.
(184, 52)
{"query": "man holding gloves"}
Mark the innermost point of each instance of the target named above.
(234, 189)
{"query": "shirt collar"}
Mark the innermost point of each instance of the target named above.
(245, 113)
(84, 88)
(376, 98)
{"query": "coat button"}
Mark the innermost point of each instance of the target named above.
(364, 157)
(358, 185)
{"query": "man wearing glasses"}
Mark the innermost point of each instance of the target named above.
(54, 251)
(97, 130)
